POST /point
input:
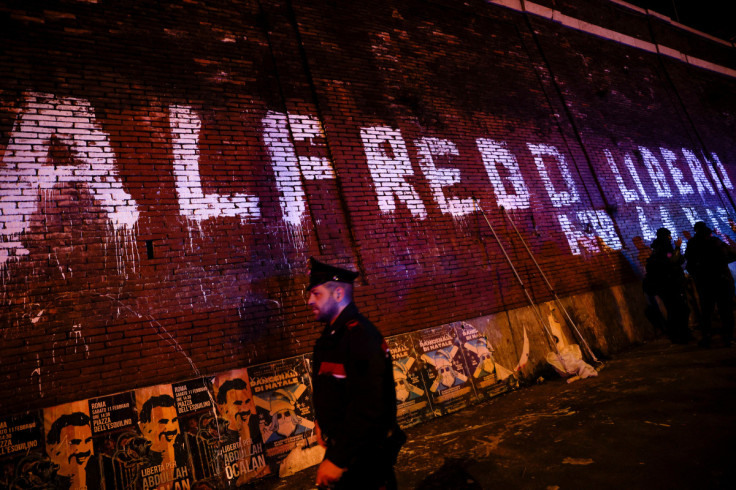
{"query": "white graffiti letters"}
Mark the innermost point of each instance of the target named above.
(679, 179)
(46, 122)
(389, 170)
(193, 202)
(288, 168)
(593, 228)
(439, 178)
(26, 169)
(716, 162)
(701, 181)
(558, 198)
(493, 153)
(656, 172)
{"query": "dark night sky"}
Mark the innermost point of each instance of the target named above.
(714, 17)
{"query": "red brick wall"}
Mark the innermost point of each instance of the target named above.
(151, 231)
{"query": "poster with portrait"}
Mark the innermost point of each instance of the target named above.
(117, 444)
(165, 462)
(199, 425)
(283, 397)
(242, 455)
(481, 366)
(445, 375)
(412, 399)
(68, 436)
(23, 462)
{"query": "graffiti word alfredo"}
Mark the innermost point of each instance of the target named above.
(44, 120)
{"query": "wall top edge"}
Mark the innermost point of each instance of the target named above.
(577, 24)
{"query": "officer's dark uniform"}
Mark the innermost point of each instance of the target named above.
(355, 397)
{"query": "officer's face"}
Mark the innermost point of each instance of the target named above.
(323, 303)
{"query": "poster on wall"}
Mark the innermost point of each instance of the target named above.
(481, 366)
(283, 397)
(166, 461)
(23, 462)
(68, 436)
(241, 448)
(117, 444)
(443, 367)
(199, 425)
(412, 399)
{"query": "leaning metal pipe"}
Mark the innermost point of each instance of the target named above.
(549, 286)
(534, 306)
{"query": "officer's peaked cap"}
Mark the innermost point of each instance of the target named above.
(321, 273)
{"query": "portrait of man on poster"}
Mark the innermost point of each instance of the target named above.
(69, 446)
(235, 404)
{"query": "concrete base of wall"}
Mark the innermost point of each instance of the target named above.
(608, 320)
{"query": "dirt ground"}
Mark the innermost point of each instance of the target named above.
(659, 416)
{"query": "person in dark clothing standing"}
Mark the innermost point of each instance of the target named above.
(707, 261)
(667, 280)
(354, 393)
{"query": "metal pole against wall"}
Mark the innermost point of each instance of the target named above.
(533, 305)
(549, 286)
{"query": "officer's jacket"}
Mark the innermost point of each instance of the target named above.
(354, 393)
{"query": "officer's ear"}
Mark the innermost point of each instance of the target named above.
(339, 293)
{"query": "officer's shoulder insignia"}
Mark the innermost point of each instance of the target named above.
(352, 324)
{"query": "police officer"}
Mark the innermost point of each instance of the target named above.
(354, 393)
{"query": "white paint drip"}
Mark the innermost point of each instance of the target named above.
(124, 249)
(76, 334)
(38, 316)
(204, 294)
(37, 372)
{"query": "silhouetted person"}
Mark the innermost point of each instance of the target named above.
(667, 280)
(707, 261)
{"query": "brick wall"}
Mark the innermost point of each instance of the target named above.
(168, 167)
